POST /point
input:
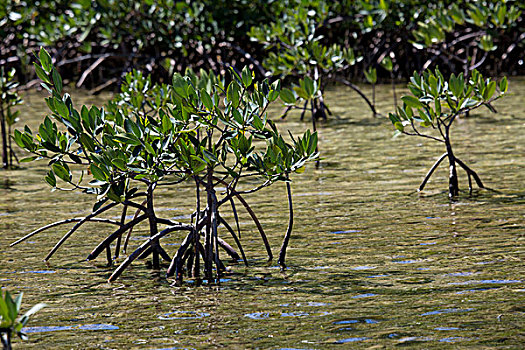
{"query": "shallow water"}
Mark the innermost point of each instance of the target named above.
(371, 262)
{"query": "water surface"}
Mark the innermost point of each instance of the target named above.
(370, 261)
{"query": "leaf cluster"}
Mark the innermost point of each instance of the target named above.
(491, 18)
(153, 133)
(10, 312)
(435, 102)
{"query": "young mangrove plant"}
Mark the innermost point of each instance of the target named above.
(10, 322)
(8, 99)
(296, 50)
(195, 130)
(434, 104)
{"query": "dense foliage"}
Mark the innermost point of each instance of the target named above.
(196, 130)
(97, 40)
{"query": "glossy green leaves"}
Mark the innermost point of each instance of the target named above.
(149, 133)
(434, 101)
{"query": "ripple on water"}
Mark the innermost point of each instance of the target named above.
(258, 315)
(351, 321)
(345, 231)
(461, 273)
(475, 290)
(446, 328)
(183, 315)
(452, 339)
(39, 271)
(376, 276)
(484, 282)
(365, 295)
(404, 261)
(351, 340)
(83, 327)
(363, 267)
(445, 311)
(305, 314)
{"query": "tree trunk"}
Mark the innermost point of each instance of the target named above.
(5, 159)
(153, 229)
(453, 188)
(6, 339)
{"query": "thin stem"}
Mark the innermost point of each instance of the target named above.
(152, 240)
(284, 246)
(63, 222)
(431, 171)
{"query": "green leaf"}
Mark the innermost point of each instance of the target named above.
(288, 97)
(28, 159)
(412, 101)
(489, 91)
(57, 80)
(119, 163)
(11, 306)
(41, 74)
(149, 148)
(309, 86)
(387, 64)
(61, 172)
(206, 100)
(61, 108)
(247, 76)
(4, 311)
(371, 75)
(45, 60)
(51, 179)
(97, 173)
(503, 85)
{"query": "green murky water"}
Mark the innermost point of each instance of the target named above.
(371, 263)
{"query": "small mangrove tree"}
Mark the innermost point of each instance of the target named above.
(434, 104)
(196, 130)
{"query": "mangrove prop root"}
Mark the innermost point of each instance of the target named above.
(254, 218)
(119, 239)
(178, 256)
(356, 89)
(235, 238)
(128, 235)
(431, 171)
(80, 223)
(284, 246)
(145, 254)
(228, 249)
(64, 222)
(145, 246)
(471, 172)
(106, 242)
(235, 216)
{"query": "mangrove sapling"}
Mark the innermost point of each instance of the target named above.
(195, 130)
(11, 322)
(438, 103)
(296, 50)
(8, 99)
